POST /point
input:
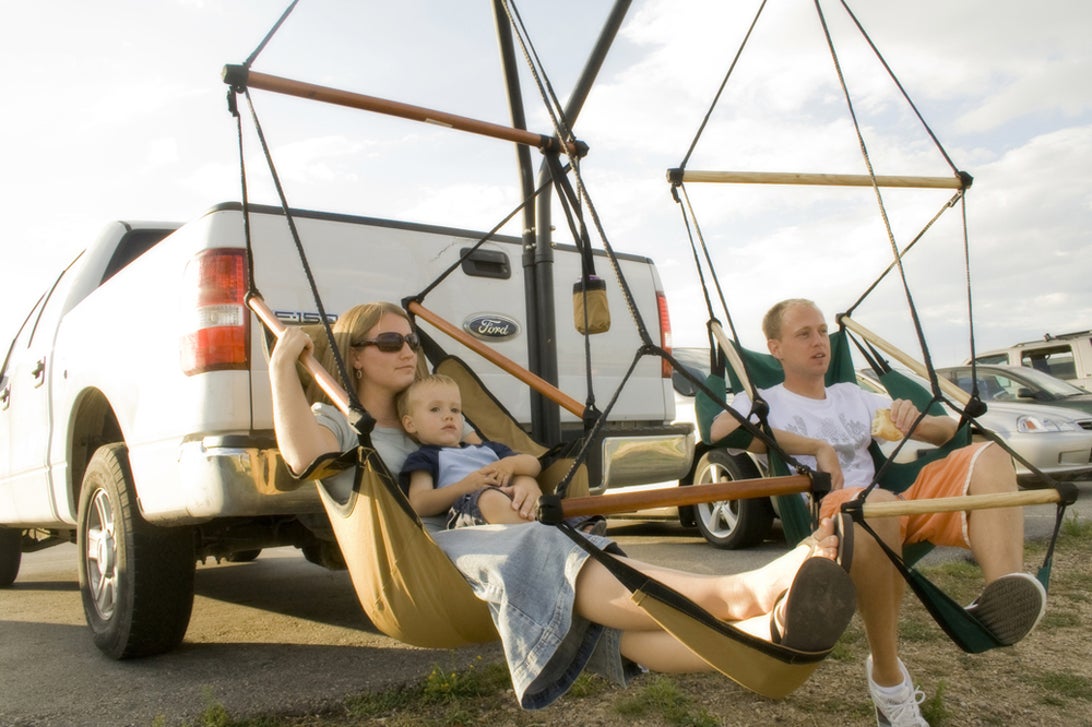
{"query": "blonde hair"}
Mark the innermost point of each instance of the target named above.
(404, 402)
(352, 325)
(771, 322)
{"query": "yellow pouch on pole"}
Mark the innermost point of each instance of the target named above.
(591, 314)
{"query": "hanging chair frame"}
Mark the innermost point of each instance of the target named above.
(770, 669)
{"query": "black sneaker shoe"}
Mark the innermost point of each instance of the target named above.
(1011, 606)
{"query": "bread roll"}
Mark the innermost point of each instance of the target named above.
(883, 427)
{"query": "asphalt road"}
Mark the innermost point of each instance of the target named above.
(276, 635)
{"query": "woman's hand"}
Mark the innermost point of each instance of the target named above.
(290, 347)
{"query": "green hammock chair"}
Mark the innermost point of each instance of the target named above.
(763, 371)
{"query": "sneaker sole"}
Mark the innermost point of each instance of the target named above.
(1010, 607)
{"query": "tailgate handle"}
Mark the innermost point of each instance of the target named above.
(486, 264)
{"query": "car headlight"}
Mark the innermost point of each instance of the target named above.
(1028, 423)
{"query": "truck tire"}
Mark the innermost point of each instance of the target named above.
(136, 579)
(731, 524)
(11, 555)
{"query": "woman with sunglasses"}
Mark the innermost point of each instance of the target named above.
(557, 611)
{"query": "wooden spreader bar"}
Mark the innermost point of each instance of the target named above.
(324, 378)
(618, 502)
(806, 178)
(241, 77)
(957, 504)
(509, 366)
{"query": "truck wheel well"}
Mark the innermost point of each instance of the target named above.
(93, 425)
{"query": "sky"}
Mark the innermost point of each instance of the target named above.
(115, 110)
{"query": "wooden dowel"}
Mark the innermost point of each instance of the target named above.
(948, 387)
(237, 75)
(957, 504)
(323, 378)
(734, 359)
(806, 178)
(506, 364)
(618, 502)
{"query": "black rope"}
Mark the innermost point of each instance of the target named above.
(339, 361)
(481, 241)
(564, 133)
(233, 107)
(269, 36)
(906, 97)
(914, 317)
(720, 90)
(891, 266)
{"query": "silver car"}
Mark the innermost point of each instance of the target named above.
(1055, 440)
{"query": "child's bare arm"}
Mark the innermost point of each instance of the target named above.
(426, 500)
(516, 464)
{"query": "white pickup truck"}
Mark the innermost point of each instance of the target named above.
(135, 413)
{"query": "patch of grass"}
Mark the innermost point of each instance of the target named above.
(1062, 687)
(475, 681)
(933, 708)
(1074, 527)
(662, 697)
(460, 692)
(588, 685)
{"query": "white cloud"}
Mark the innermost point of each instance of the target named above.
(133, 124)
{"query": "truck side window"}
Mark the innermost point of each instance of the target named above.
(995, 359)
(1057, 362)
(133, 245)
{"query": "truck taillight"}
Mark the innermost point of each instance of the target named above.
(216, 329)
(665, 332)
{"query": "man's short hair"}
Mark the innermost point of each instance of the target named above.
(771, 322)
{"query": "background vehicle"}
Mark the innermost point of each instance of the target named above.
(1067, 356)
(1056, 440)
(136, 417)
(730, 524)
(1021, 384)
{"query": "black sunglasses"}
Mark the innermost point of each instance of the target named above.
(390, 342)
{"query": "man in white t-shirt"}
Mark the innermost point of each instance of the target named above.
(829, 429)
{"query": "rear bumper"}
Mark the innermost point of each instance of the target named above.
(646, 455)
(243, 475)
(234, 476)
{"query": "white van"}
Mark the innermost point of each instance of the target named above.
(1067, 357)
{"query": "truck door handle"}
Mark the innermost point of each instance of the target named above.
(38, 372)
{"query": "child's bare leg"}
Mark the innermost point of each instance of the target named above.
(496, 508)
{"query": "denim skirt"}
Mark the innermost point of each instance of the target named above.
(527, 575)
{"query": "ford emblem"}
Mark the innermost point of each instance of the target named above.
(491, 326)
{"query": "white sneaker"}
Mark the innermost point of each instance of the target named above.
(1011, 606)
(901, 710)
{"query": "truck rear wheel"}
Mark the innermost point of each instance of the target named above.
(11, 555)
(731, 524)
(136, 579)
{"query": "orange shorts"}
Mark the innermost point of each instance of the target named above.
(948, 477)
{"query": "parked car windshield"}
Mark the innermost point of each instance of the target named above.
(1013, 383)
